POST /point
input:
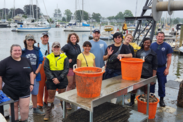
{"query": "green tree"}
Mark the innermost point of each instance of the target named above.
(176, 21)
(128, 13)
(78, 15)
(111, 17)
(63, 19)
(119, 16)
(68, 14)
(24, 16)
(96, 16)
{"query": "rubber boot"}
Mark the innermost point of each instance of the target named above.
(162, 103)
(132, 100)
(48, 111)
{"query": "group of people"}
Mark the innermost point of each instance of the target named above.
(44, 68)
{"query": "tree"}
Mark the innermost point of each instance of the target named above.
(96, 16)
(176, 21)
(63, 19)
(78, 15)
(28, 10)
(19, 11)
(3, 11)
(128, 13)
(111, 17)
(13, 12)
(25, 16)
(119, 16)
(68, 14)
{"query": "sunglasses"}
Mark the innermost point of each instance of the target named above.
(56, 47)
(30, 40)
(159, 47)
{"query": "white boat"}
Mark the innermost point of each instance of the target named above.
(33, 29)
(78, 26)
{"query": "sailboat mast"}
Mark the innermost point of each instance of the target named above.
(14, 7)
(82, 10)
(5, 9)
(32, 9)
(37, 10)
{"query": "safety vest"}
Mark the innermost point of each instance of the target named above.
(56, 63)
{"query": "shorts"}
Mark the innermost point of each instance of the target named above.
(16, 94)
(35, 88)
(51, 86)
(70, 73)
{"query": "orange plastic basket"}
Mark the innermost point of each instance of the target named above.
(143, 105)
(88, 81)
(131, 68)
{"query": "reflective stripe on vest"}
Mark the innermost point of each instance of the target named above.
(56, 63)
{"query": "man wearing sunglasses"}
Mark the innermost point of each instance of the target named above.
(45, 47)
(164, 54)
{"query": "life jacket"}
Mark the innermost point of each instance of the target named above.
(56, 63)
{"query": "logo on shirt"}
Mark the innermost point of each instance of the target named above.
(101, 45)
(32, 57)
(26, 67)
(163, 49)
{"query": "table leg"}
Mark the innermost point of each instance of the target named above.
(12, 112)
(2, 110)
(148, 89)
(64, 113)
(123, 100)
(91, 116)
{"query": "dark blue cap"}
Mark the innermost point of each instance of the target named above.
(96, 30)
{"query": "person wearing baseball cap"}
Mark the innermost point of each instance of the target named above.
(98, 48)
(35, 56)
(56, 67)
(45, 47)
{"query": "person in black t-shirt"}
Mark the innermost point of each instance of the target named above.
(114, 69)
(17, 74)
(128, 38)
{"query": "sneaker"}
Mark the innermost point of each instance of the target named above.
(37, 111)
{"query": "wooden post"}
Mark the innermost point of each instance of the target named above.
(181, 36)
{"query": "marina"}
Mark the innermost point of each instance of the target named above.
(92, 90)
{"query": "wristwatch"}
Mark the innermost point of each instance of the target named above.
(32, 84)
(35, 73)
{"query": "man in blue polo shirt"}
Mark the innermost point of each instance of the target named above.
(164, 54)
(98, 48)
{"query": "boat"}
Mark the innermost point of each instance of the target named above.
(30, 25)
(76, 26)
(33, 29)
(3, 23)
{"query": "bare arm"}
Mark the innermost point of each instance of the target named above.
(124, 56)
(1, 82)
(31, 78)
(94, 63)
(154, 72)
(169, 58)
(105, 57)
(78, 63)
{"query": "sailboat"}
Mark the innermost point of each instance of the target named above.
(31, 26)
(13, 24)
(78, 27)
(4, 22)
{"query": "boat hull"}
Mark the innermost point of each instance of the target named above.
(32, 29)
(78, 29)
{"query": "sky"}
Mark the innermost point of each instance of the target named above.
(104, 7)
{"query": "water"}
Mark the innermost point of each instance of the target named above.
(7, 38)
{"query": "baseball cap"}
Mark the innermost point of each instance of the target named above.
(45, 34)
(96, 30)
(55, 44)
(29, 36)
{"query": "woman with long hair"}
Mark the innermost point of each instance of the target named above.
(34, 55)
(72, 50)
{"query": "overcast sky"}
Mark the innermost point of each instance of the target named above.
(104, 7)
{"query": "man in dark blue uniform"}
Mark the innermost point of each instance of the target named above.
(164, 54)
